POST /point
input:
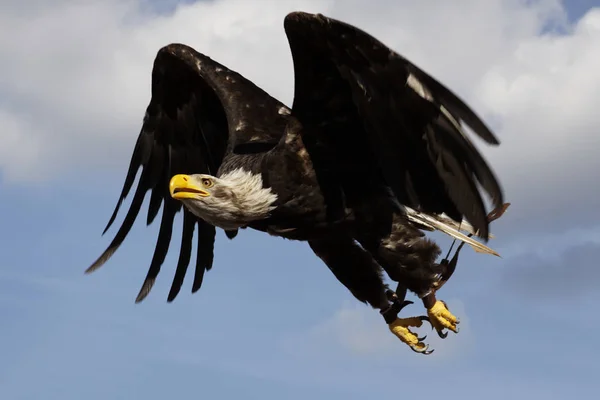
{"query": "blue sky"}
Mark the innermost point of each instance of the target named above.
(271, 321)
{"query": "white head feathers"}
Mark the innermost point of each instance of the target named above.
(235, 199)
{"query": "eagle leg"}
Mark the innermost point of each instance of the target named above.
(438, 314)
(400, 327)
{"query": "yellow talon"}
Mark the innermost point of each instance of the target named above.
(440, 317)
(400, 328)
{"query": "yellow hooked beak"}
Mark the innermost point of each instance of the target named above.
(183, 187)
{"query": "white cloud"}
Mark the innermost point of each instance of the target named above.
(17, 133)
(545, 95)
(77, 81)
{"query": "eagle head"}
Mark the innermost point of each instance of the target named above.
(231, 201)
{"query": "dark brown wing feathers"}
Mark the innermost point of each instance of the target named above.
(422, 155)
(185, 131)
(199, 112)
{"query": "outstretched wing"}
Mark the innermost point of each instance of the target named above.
(410, 121)
(187, 129)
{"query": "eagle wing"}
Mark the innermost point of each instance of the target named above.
(192, 124)
(410, 122)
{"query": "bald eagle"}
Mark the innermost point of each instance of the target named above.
(371, 155)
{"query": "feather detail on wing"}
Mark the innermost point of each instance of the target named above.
(452, 228)
(407, 120)
(198, 113)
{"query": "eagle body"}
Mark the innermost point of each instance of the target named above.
(371, 154)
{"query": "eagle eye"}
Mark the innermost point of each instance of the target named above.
(207, 182)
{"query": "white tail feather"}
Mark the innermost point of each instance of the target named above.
(464, 225)
(444, 224)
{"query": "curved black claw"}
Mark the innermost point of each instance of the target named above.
(405, 303)
(422, 338)
(425, 318)
(441, 334)
(394, 309)
(425, 350)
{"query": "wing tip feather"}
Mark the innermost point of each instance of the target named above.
(173, 294)
(100, 261)
(145, 290)
(113, 216)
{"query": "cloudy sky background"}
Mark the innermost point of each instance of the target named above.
(74, 84)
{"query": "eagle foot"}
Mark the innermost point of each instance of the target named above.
(440, 318)
(400, 328)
